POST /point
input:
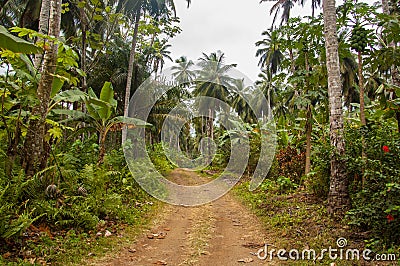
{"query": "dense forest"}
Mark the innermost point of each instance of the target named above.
(69, 69)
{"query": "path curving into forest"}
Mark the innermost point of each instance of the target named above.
(222, 233)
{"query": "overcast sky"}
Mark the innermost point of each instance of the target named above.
(232, 26)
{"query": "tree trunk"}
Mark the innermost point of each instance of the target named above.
(130, 71)
(394, 70)
(362, 111)
(83, 59)
(361, 87)
(308, 139)
(43, 29)
(385, 7)
(35, 147)
(338, 198)
(102, 144)
(84, 46)
(309, 121)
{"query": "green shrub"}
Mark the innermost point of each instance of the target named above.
(376, 204)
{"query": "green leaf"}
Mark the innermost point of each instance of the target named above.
(57, 85)
(73, 115)
(55, 132)
(70, 96)
(132, 121)
(91, 93)
(16, 44)
(97, 103)
(98, 17)
(81, 72)
(107, 95)
(107, 92)
(68, 112)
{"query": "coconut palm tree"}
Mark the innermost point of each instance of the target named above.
(270, 53)
(287, 5)
(182, 72)
(134, 9)
(338, 198)
(239, 103)
(214, 83)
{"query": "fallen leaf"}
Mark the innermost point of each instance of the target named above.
(7, 255)
(132, 250)
(107, 233)
(246, 260)
(160, 262)
(161, 235)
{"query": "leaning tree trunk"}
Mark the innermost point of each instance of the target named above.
(130, 71)
(35, 147)
(338, 198)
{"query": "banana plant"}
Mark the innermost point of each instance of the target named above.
(100, 114)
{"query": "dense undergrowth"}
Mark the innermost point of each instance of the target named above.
(293, 209)
(67, 211)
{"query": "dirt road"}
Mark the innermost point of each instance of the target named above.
(222, 233)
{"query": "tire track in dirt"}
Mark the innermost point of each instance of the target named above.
(222, 233)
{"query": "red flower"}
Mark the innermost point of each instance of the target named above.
(385, 148)
(390, 218)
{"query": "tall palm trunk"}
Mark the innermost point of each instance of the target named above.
(36, 148)
(130, 70)
(362, 89)
(394, 70)
(338, 198)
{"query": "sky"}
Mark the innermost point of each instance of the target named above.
(232, 26)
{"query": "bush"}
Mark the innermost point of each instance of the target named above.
(319, 177)
(291, 164)
(376, 204)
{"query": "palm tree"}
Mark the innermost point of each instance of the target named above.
(160, 50)
(182, 72)
(239, 103)
(270, 54)
(338, 198)
(134, 9)
(287, 5)
(213, 82)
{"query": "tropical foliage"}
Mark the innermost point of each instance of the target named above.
(332, 81)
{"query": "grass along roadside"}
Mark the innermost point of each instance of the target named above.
(79, 248)
(299, 221)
